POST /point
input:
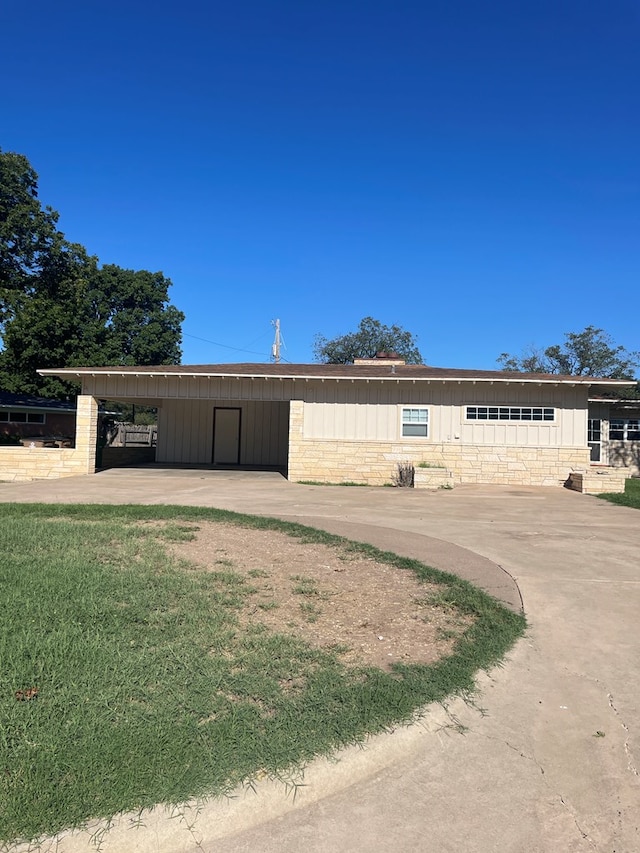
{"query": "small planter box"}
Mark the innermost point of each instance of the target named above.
(432, 478)
(596, 481)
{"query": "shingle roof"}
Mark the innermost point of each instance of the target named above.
(332, 371)
(27, 401)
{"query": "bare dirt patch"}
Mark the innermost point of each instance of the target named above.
(376, 614)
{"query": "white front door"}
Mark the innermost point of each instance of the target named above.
(226, 436)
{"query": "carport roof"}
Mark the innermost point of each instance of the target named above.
(336, 372)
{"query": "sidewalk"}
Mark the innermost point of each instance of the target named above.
(521, 769)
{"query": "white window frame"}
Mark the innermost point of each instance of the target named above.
(412, 421)
(486, 413)
(628, 425)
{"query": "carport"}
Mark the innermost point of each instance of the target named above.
(204, 419)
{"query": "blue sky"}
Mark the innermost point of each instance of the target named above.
(467, 170)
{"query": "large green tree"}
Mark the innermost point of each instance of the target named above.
(28, 232)
(59, 307)
(370, 338)
(588, 353)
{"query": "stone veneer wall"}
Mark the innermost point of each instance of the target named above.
(42, 463)
(625, 455)
(375, 462)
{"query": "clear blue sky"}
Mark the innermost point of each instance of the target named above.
(468, 170)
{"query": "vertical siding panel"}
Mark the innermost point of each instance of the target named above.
(245, 432)
(274, 424)
(161, 449)
(252, 449)
(172, 414)
(175, 431)
(257, 431)
(275, 410)
(266, 432)
(186, 444)
(188, 417)
(199, 438)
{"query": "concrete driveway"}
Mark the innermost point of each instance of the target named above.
(548, 756)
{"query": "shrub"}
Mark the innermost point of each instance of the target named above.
(404, 475)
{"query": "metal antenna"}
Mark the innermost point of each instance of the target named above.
(275, 349)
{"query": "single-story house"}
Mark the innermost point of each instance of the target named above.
(358, 422)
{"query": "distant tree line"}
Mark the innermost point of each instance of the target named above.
(588, 353)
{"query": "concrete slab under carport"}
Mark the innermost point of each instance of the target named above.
(179, 469)
(523, 768)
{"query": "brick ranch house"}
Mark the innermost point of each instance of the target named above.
(25, 416)
(357, 422)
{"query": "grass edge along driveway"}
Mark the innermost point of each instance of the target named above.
(125, 681)
(630, 496)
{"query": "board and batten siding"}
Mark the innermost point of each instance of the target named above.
(185, 431)
(333, 411)
(155, 389)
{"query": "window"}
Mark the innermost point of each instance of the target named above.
(510, 413)
(415, 422)
(624, 429)
(594, 435)
(22, 417)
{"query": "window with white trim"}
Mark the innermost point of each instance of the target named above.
(510, 413)
(594, 429)
(415, 422)
(22, 417)
(624, 429)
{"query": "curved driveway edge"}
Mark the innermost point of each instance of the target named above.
(548, 757)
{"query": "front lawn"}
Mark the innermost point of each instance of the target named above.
(630, 496)
(128, 678)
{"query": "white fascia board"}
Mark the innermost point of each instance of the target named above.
(387, 377)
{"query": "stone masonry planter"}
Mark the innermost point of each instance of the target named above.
(598, 480)
(432, 478)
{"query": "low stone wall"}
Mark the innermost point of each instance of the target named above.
(120, 457)
(42, 463)
(597, 481)
(432, 478)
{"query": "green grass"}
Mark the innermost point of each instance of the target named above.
(630, 496)
(149, 691)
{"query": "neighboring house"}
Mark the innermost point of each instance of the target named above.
(357, 422)
(614, 433)
(24, 416)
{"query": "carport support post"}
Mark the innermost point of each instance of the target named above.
(86, 433)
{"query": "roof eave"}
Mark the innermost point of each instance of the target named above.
(523, 379)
